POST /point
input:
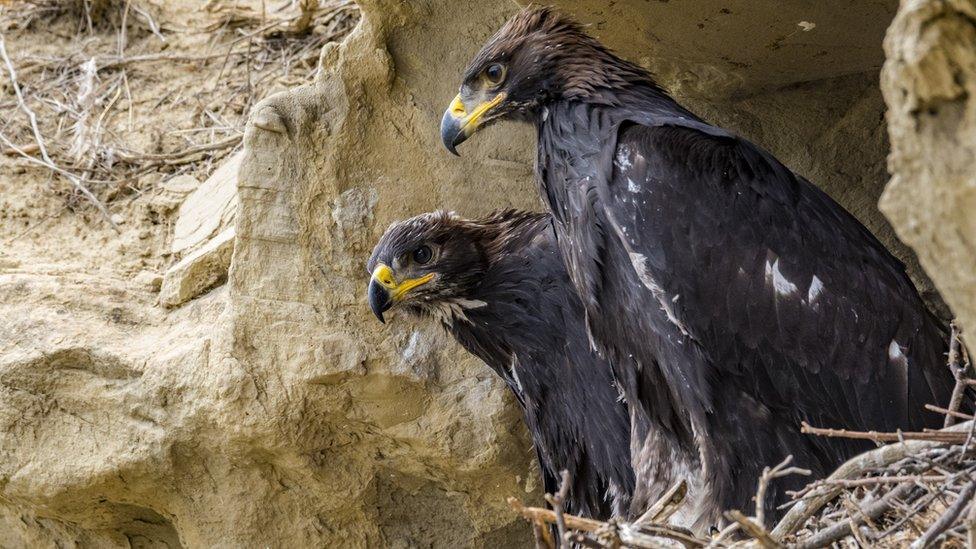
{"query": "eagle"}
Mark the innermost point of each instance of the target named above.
(499, 287)
(732, 298)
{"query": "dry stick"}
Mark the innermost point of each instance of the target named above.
(950, 437)
(947, 519)
(854, 467)
(557, 506)
(584, 540)
(113, 62)
(753, 529)
(843, 529)
(123, 34)
(971, 526)
(874, 481)
(538, 532)
(40, 140)
(780, 470)
(947, 412)
(231, 141)
(955, 366)
(920, 504)
(665, 506)
(153, 27)
(726, 532)
(26, 149)
(629, 536)
(969, 437)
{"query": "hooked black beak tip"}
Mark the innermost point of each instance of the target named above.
(451, 133)
(379, 299)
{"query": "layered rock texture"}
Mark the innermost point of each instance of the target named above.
(256, 402)
(929, 83)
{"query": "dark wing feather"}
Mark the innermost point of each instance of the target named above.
(531, 332)
(786, 294)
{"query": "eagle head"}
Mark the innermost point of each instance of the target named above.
(537, 57)
(425, 262)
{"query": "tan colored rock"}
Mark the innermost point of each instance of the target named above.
(173, 192)
(209, 209)
(201, 270)
(929, 83)
(148, 280)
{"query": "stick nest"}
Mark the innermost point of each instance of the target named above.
(915, 490)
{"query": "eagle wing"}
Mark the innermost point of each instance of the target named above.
(785, 293)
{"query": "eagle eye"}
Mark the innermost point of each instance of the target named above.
(495, 73)
(422, 255)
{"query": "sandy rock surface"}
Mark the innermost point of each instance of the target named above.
(929, 83)
(259, 403)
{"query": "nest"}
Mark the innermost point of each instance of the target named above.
(92, 112)
(915, 490)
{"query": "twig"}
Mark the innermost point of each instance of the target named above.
(665, 506)
(768, 475)
(540, 532)
(754, 529)
(584, 540)
(947, 412)
(557, 506)
(874, 481)
(958, 372)
(628, 535)
(231, 141)
(854, 467)
(933, 436)
(913, 511)
(842, 529)
(116, 61)
(948, 518)
(720, 538)
(971, 526)
(18, 151)
(40, 140)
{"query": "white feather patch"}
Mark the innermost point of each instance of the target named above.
(816, 288)
(779, 282)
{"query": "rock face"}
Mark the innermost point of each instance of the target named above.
(275, 411)
(929, 83)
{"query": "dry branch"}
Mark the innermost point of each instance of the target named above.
(950, 437)
(948, 412)
(557, 506)
(665, 506)
(948, 518)
(959, 372)
(768, 475)
(845, 528)
(853, 468)
(628, 535)
(754, 529)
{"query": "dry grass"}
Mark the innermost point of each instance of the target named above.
(111, 97)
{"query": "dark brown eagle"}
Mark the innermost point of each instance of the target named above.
(732, 298)
(498, 285)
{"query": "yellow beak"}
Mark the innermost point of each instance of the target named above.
(457, 125)
(384, 291)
